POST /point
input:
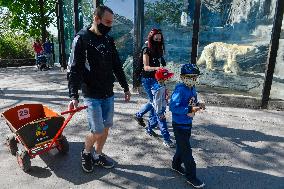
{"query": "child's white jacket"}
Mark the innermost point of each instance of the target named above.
(159, 98)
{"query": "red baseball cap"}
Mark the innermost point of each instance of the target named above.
(163, 73)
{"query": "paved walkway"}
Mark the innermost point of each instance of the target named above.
(234, 148)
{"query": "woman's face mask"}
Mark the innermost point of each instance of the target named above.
(157, 38)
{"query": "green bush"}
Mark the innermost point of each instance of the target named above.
(13, 46)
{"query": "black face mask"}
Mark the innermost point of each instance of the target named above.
(156, 42)
(156, 49)
(103, 29)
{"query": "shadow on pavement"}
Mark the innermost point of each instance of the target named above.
(241, 136)
(236, 178)
(68, 167)
(160, 177)
(259, 150)
(39, 172)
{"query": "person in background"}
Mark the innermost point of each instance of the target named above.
(37, 46)
(152, 60)
(93, 65)
(48, 49)
(183, 105)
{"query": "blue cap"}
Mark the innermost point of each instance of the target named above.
(189, 69)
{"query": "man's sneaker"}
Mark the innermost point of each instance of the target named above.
(87, 164)
(102, 161)
(93, 156)
(151, 133)
(196, 183)
(178, 169)
(169, 144)
(140, 121)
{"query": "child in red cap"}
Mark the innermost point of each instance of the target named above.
(159, 103)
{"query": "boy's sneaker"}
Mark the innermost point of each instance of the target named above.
(178, 169)
(151, 133)
(87, 164)
(169, 144)
(139, 120)
(196, 183)
(102, 161)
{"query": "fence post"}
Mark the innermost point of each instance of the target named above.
(271, 60)
(195, 34)
(138, 38)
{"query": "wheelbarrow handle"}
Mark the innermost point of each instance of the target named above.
(78, 109)
(71, 113)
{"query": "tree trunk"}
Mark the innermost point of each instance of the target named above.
(42, 21)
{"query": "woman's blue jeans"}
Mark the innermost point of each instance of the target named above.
(147, 84)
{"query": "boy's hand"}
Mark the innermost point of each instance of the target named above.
(195, 109)
(202, 106)
(191, 114)
(167, 99)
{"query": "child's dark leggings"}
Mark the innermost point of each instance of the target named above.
(183, 150)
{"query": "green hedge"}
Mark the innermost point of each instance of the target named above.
(13, 46)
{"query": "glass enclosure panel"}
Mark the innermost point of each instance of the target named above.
(68, 25)
(85, 9)
(233, 45)
(122, 27)
(277, 88)
(122, 30)
(167, 15)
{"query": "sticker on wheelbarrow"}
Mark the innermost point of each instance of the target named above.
(39, 131)
(24, 113)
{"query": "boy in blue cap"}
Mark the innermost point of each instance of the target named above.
(184, 105)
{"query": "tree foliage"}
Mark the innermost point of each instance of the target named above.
(27, 15)
(15, 46)
(163, 11)
(5, 19)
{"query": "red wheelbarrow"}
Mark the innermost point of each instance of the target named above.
(38, 129)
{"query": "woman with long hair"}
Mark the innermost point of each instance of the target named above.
(152, 60)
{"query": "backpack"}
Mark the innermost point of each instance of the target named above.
(140, 65)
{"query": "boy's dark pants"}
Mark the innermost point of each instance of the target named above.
(183, 150)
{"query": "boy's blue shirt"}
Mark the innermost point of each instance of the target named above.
(182, 100)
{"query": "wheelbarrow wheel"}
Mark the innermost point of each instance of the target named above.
(64, 145)
(24, 160)
(12, 144)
